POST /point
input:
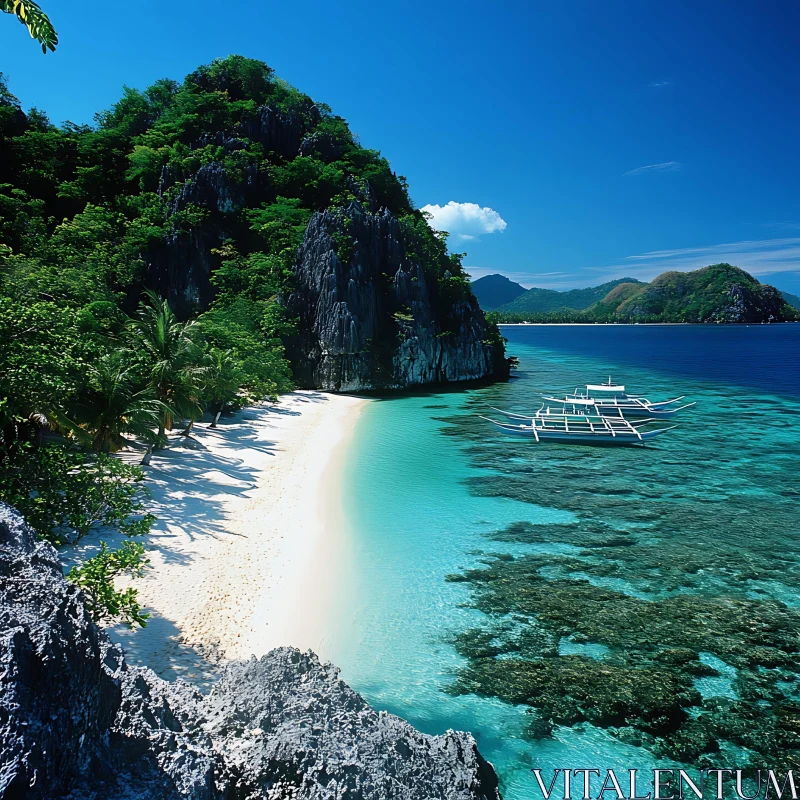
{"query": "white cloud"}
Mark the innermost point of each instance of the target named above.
(466, 221)
(782, 226)
(666, 166)
(659, 84)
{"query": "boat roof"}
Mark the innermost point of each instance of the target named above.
(603, 387)
(573, 401)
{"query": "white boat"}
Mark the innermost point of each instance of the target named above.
(605, 397)
(577, 428)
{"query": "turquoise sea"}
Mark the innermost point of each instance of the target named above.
(699, 534)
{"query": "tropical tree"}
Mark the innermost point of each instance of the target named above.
(222, 381)
(37, 22)
(111, 406)
(173, 359)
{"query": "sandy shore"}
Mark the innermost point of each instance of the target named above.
(248, 552)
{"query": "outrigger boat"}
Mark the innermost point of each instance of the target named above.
(577, 428)
(605, 397)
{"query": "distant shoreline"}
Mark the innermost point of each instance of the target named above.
(640, 324)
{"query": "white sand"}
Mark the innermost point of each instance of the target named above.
(248, 552)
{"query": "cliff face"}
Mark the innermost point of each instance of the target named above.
(77, 722)
(371, 318)
(180, 267)
(350, 338)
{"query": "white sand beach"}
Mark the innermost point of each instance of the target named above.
(248, 552)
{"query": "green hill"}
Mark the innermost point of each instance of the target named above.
(495, 290)
(536, 301)
(792, 299)
(717, 293)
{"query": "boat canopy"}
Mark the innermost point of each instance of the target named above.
(604, 387)
(572, 401)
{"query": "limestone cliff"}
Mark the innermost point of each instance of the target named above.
(77, 722)
(371, 316)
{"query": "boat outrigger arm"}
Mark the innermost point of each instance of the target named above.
(588, 429)
(614, 402)
(603, 422)
(541, 414)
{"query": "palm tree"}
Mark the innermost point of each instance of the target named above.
(222, 382)
(38, 23)
(174, 359)
(112, 406)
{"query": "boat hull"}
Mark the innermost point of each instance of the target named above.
(620, 438)
(638, 412)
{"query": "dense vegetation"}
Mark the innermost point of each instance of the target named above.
(546, 300)
(717, 293)
(792, 299)
(90, 358)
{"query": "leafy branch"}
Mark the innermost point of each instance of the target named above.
(96, 575)
(37, 22)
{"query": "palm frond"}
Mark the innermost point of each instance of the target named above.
(37, 22)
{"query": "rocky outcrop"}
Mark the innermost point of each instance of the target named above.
(371, 317)
(180, 267)
(373, 314)
(77, 722)
(745, 303)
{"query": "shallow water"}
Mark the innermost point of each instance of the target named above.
(711, 510)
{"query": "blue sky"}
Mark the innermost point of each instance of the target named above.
(568, 143)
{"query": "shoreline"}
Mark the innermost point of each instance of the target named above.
(640, 324)
(249, 550)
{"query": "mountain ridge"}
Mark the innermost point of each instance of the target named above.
(495, 290)
(538, 300)
(716, 293)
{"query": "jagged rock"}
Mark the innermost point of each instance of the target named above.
(180, 267)
(758, 303)
(371, 318)
(322, 145)
(276, 131)
(212, 188)
(77, 722)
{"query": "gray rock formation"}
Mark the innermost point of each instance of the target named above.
(373, 314)
(370, 317)
(77, 722)
(180, 267)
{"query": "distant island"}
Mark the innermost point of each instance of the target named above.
(719, 293)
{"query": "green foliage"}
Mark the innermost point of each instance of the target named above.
(41, 360)
(171, 354)
(111, 406)
(544, 301)
(314, 182)
(37, 22)
(249, 331)
(64, 493)
(96, 575)
(223, 379)
(717, 293)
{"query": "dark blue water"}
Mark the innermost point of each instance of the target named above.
(764, 357)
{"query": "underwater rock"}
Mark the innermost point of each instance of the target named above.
(76, 721)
